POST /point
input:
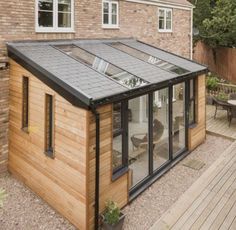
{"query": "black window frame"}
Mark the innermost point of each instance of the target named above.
(123, 168)
(192, 100)
(49, 125)
(25, 104)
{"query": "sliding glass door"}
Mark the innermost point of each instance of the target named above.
(178, 120)
(156, 125)
(160, 128)
(138, 139)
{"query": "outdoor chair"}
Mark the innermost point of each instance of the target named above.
(232, 96)
(232, 113)
(141, 140)
(221, 105)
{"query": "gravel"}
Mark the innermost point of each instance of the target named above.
(144, 211)
(23, 210)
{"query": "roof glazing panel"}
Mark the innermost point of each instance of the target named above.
(149, 58)
(119, 75)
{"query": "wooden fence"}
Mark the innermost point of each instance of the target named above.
(224, 62)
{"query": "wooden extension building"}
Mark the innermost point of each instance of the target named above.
(93, 120)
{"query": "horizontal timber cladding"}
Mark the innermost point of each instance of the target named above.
(109, 190)
(61, 181)
(197, 134)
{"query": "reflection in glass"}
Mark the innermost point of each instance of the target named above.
(117, 156)
(64, 13)
(160, 128)
(149, 58)
(138, 139)
(105, 13)
(178, 128)
(121, 76)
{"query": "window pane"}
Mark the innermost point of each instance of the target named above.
(105, 8)
(114, 8)
(114, 19)
(161, 24)
(191, 112)
(138, 139)
(168, 15)
(64, 5)
(161, 14)
(25, 107)
(117, 153)
(64, 20)
(49, 125)
(45, 5)
(45, 19)
(160, 128)
(178, 128)
(168, 25)
(191, 88)
(116, 117)
(105, 18)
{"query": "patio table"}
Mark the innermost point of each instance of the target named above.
(232, 102)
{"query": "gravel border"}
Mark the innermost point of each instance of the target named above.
(24, 210)
(144, 211)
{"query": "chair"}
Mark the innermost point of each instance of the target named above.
(221, 105)
(232, 113)
(141, 140)
(232, 96)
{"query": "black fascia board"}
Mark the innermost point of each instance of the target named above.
(146, 89)
(75, 97)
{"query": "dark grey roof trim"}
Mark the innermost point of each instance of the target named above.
(73, 96)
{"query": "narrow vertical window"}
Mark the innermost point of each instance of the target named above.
(25, 104)
(49, 126)
(192, 102)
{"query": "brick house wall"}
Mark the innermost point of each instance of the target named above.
(17, 22)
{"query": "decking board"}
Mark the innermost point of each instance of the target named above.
(210, 203)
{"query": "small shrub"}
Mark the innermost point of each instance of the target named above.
(112, 213)
(212, 82)
(223, 96)
(3, 195)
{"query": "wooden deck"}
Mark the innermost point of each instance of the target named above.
(210, 203)
(220, 124)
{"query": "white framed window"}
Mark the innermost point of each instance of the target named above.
(110, 14)
(165, 20)
(54, 16)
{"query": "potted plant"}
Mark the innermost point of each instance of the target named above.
(112, 218)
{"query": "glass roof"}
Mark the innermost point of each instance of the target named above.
(123, 77)
(149, 58)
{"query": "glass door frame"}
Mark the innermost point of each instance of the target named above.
(153, 173)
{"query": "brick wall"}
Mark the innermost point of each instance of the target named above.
(17, 22)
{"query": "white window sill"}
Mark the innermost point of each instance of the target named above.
(114, 27)
(165, 31)
(46, 30)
